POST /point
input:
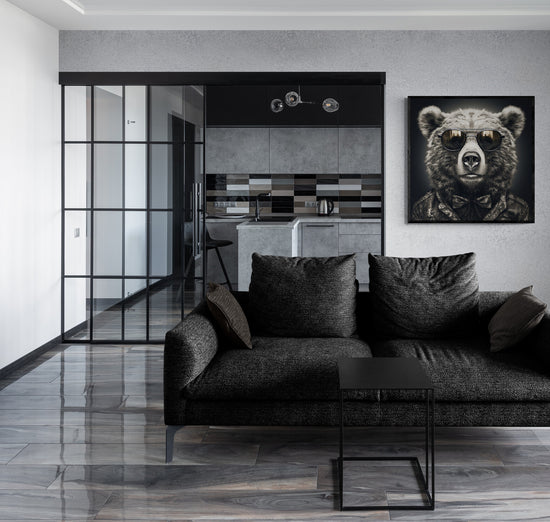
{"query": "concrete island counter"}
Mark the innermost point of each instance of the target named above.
(308, 236)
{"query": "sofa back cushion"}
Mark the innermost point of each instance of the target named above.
(424, 298)
(303, 297)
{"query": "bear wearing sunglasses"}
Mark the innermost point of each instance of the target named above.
(471, 160)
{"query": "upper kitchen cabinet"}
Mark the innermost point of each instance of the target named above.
(251, 105)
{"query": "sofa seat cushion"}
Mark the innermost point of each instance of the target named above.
(278, 369)
(465, 370)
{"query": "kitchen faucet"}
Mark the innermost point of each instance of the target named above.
(263, 194)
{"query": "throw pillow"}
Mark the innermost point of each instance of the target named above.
(229, 316)
(303, 296)
(515, 319)
(424, 298)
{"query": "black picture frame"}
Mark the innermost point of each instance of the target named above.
(456, 194)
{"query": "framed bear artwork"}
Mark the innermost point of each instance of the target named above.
(471, 159)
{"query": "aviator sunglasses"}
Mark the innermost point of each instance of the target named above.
(454, 139)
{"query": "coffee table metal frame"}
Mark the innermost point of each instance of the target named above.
(390, 373)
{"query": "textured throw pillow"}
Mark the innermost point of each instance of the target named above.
(424, 298)
(515, 319)
(229, 315)
(303, 296)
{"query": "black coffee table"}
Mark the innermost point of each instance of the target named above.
(390, 373)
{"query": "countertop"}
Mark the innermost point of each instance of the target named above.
(304, 219)
(248, 221)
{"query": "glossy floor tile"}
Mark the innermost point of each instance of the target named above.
(51, 505)
(82, 438)
(9, 451)
(162, 478)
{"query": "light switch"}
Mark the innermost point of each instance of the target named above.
(77, 232)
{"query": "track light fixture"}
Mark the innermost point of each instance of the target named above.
(293, 99)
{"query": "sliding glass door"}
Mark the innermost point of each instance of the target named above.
(133, 168)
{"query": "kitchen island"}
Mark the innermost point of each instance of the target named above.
(309, 236)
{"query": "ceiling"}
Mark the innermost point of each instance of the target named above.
(290, 14)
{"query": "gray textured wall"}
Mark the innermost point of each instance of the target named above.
(434, 63)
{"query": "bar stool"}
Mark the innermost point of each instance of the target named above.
(216, 244)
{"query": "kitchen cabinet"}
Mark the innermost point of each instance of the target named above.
(342, 237)
(319, 239)
(360, 239)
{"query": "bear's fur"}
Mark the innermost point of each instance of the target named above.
(487, 177)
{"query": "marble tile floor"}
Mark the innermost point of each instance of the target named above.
(82, 438)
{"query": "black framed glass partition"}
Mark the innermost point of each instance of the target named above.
(134, 196)
(133, 168)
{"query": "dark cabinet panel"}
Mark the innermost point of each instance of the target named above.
(250, 105)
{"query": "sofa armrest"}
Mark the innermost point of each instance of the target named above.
(542, 340)
(188, 349)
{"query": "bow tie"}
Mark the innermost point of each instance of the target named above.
(481, 201)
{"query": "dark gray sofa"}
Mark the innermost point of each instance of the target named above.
(293, 381)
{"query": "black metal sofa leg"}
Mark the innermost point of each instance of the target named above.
(170, 433)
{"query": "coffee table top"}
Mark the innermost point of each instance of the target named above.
(382, 373)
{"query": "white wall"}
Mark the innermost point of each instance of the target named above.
(30, 181)
(417, 63)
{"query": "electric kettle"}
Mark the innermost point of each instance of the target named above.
(325, 207)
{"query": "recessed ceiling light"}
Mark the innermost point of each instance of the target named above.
(75, 5)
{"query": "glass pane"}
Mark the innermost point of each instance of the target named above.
(107, 308)
(135, 104)
(108, 113)
(161, 243)
(77, 312)
(135, 309)
(108, 243)
(167, 113)
(77, 113)
(135, 242)
(194, 166)
(135, 176)
(164, 308)
(77, 175)
(162, 173)
(108, 176)
(194, 112)
(135, 288)
(77, 242)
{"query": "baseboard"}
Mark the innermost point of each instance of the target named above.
(31, 356)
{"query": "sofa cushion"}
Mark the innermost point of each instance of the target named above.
(303, 297)
(465, 370)
(424, 298)
(229, 316)
(515, 319)
(277, 369)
